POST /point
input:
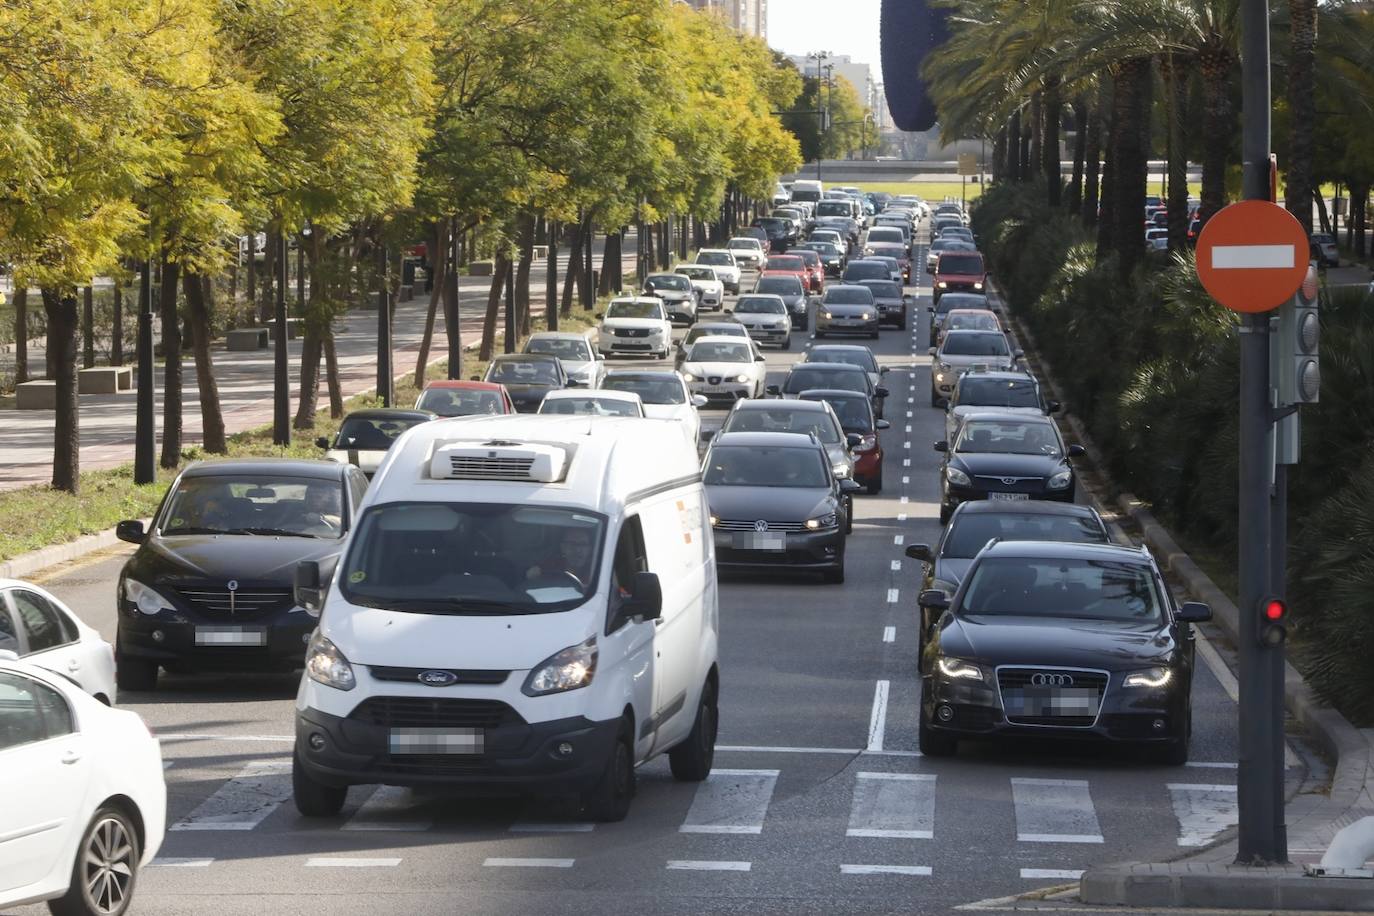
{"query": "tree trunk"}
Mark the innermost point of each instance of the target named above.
(266, 308)
(498, 282)
(1130, 119)
(551, 277)
(252, 296)
(1218, 123)
(1014, 147)
(588, 289)
(311, 351)
(1106, 226)
(609, 254)
(439, 243)
(1080, 147)
(171, 356)
(1037, 132)
(200, 293)
(1024, 167)
(1049, 142)
(522, 275)
(1176, 94)
(63, 324)
(1302, 108)
(331, 373)
(570, 279)
(117, 328)
(87, 327)
(21, 333)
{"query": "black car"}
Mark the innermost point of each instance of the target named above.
(775, 503)
(364, 436)
(973, 525)
(831, 255)
(861, 269)
(1003, 456)
(528, 377)
(890, 300)
(806, 376)
(781, 232)
(210, 586)
(793, 293)
(1057, 640)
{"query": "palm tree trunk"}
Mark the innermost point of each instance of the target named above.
(1173, 69)
(63, 323)
(200, 306)
(1302, 108)
(1106, 208)
(1217, 127)
(1359, 196)
(1052, 110)
(1037, 132)
(1080, 147)
(1024, 167)
(1130, 120)
(1014, 147)
(171, 355)
(21, 333)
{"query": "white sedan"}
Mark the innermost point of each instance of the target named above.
(38, 628)
(85, 803)
(727, 268)
(724, 369)
(664, 394)
(598, 403)
(709, 288)
(636, 325)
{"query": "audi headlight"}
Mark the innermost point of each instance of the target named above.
(958, 477)
(146, 600)
(956, 669)
(1061, 480)
(822, 521)
(742, 378)
(569, 669)
(1150, 677)
(327, 665)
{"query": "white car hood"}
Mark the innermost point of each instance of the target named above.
(709, 286)
(729, 370)
(653, 324)
(761, 319)
(516, 642)
(679, 412)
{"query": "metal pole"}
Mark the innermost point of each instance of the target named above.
(145, 437)
(281, 385)
(384, 374)
(1262, 835)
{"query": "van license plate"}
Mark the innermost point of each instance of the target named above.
(436, 741)
(231, 636)
(1008, 496)
(765, 540)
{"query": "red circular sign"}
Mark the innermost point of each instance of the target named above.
(1252, 256)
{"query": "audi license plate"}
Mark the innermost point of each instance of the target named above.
(1008, 496)
(761, 540)
(436, 740)
(1052, 701)
(231, 636)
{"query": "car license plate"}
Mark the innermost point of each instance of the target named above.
(1052, 701)
(231, 636)
(1008, 496)
(436, 741)
(762, 540)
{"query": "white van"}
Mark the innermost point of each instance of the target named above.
(527, 605)
(807, 190)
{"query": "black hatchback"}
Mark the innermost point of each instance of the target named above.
(1005, 457)
(211, 584)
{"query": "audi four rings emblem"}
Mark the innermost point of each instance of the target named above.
(1052, 680)
(760, 525)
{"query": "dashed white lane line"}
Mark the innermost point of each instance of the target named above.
(908, 428)
(702, 865)
(179, 862)
(906, 462)
(1044, 873)
(877, 721)
(898, 539)
(920, 871)
(896, 565)
(906, 444)
(908, 415)
(901, 516)
(528, 863)
(1212, 765)
(905, 499)
(847, 751)
(552, 827)
(338, 862)
(889, 634)
(892, 595)
(906, 480)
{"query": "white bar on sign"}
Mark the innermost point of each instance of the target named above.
(245, 801)
(1203, 811)
(701, 865)
(731, 801)
(390, 808)
(1253, 257)
(1054, 811)
(919, 871)
(896, 806)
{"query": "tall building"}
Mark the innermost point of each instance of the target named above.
(859, 75)
(749, 17)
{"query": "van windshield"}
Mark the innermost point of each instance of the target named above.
(472, 558)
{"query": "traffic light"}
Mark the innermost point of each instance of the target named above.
(1273, 621)
(1297, 343)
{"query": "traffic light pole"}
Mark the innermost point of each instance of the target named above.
(1262, 835)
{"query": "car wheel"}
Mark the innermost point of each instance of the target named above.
(312, 797)
(106, 868)
(1171, 753)
(875, 486)
(786, 344)
(609, 799)
(945, 513)
(691, 760)
(934, 398)
(132, 673)
(931, 742)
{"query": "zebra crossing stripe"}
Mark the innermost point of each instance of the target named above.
(1054, 811)
(895, 806)
(1203, 811)
(244, 801)
(387, 809)
(731, 801)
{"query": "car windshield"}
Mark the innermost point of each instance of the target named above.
(766, 466)
(697, 273)
(885, 234)
(743, 244)
(777, 224)
(1107, 590)
(760, 305)
(855, 414)
(1007, 437)
(862, 358)
(960, 264)
(850, 295)
(522, 372)
(269, 505)
(651, 389)
(675, 282)
(968, 343)
(971, 531)
(779, 286)
(592, 405)
(732, 330)
(825, 235)
(780, 419)
(569, 348)
(472, 558)
(372, 433)
(834, 208)
(788, 262)
(884, 289)
(458, 402)
(712, 351)
(826, 249)
(720, 258)
(629, 309)
(997, 392)
(972, 321)
(803, 378)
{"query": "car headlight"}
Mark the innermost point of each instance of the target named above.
(742, 378)
(958, 477)
(826, 315)
(1061, 480)
(327, 665)
(822, 521)
(715, 520)
(977, 285)
(942, 285)
(841, 471)
(569, 669)
(146, 600)
(1150, 677)
(957, 669)
(688, 377)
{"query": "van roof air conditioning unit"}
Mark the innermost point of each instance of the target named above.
(498, 460)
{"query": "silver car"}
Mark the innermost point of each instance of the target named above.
(962, 350)
(848, 309)
(765, 318)
(580, 359)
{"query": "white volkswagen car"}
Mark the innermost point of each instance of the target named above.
(636, 326)
(38, 628)
(710, 290)
(724, 369)
(727, 268)
(85, 803)
(665, 397)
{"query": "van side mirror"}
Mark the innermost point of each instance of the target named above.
(646, 597)
(880, 392)
(882, 424)
(474, 378)
(849, 485)
(919, 552)
(307, 591)
(1193, 612)
(574, 383)
(130, 530)
(883, 370)
(853, 439)
(1019, 354)
(934, 598)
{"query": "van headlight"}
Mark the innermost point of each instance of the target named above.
(977, 285)
(1061, 480)
(956, 669)
(145, 599)
(569, 669)
(958, 477)
(1150, 677)
(327, 665)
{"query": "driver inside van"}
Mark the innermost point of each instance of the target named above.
(573, 558)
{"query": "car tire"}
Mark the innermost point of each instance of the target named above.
(786, 344)
(110, 840)
(945, 513)
(931, 742)
(609, 800)
(934, 398)
(312, 797)
(691, 760)
(875, 486)
(1171, 753)
(133, 673)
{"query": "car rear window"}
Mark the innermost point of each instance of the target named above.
(960, 264)
(804, 378)
(972, 531)
(779, 286)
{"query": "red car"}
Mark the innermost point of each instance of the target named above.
(787, 264)
(961, 271)
(459, 398)
(855, 413)
(815, 268)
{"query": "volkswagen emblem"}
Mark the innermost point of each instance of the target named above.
(232, 585)
(435, 678)
(1052, 680)
(760, 525)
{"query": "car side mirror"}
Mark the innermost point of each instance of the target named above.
(574, 383)
(941, 446)
(728, 311)
(848, 485)
(931, 350)
(1018, 354)
(646, 597)
(920, 552)
(1053, 407)
(758, 358)
(707, 435)
(774, 390)
(880, 392)
(130, 530)
(699, 401)
(882, 424)
(322, 442)
(883, 370)
(854, 439)
(1077, 451)
(934, 598)
(1193, 612)
(597, 354)
(307, 591)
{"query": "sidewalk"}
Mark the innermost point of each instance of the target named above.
(245, 380)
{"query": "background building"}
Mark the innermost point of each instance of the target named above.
(749, 17)
(859, 75)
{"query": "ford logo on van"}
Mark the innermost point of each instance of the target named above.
(436, 678)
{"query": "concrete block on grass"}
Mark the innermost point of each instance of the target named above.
(105, 380)
(40, 394)
(481, 268)
(240, 339)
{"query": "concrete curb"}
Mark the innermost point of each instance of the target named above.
(28, 563)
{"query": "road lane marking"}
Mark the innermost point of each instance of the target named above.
(731, 801)
(908, 415)
(901, 516)
(244, 801)
(289, 739)
(1042, 873)
(906, 462)
(894, 806)
(335, 862)
(892, 594)
(896, 565)
(921, 871)
(908, 427)
(179, 862)
(904, 500)
(1054, 811)
(390, 808)
(877, 720)
(1203, 811)
(906, 480)
(702, 865)
(528, 863)
(906, 444)
(889, 634)
(898, 539)
(1214, 765)
(552, 827)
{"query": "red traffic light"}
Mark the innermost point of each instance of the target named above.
(1274, 609)
(1273, 629)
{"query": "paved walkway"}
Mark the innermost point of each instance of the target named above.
(245, 381)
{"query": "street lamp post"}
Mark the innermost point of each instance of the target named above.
(818, 57)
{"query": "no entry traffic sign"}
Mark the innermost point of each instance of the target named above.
(1252, 256)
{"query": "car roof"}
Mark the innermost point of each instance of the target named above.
(859, 348)
(1068, 550)
(1026, 507)
(1000, 416)
(524, 357)
(732, 339)
(296, 467)
(1009, 374)
(814, 394)
(775, 440)
(808, 406)
(645, 373)
(835, 286)
(609, 394)
(555, 335)
(644, 299)
(818, 364)
(464, 383)
(971, 312)
(719, 325)
(744, 296)
(389, 413)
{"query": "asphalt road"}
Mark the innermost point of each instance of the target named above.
(829, 808)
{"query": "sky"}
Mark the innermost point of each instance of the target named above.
(838, 26)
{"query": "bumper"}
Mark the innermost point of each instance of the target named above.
(802, 550)
(722, 392)
(770, 335)
(895, 314)
(282, 637)
(631, 346)
(956, 495)
(680, 312)
(868, 466)
(520, 758)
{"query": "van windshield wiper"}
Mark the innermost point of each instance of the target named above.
(279, 532)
